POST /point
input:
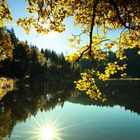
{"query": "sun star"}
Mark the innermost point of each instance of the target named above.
(47, 133)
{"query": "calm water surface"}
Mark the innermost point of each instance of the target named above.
(57, 112)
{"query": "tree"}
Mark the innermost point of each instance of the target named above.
(5, 14)
(21, 59)
(36, 63)
(14, 39)
(6, 46)
(100, 16)
(133, 63)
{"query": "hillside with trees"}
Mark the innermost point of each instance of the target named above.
(98, 21)
(21, 60)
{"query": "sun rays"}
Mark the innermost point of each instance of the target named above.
(45, 129)
(49, 127)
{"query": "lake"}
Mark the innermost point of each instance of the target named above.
(55, 111)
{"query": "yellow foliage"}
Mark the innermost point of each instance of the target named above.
(87, 83)
(5, 15)
(87, 14)
(6, 46)
(41, 58)
(6, 85)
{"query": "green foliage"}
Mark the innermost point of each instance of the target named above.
(133, 62)
(27, 61)
(20, 59)
(14, 39)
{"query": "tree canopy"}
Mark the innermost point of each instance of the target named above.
(23, 61)
(97, 19)
(6, 46)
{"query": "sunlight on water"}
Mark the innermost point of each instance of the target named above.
(44, 129)
(47, 133)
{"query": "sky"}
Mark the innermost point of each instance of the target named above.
(53, 41)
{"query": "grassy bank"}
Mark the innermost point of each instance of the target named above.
(6, 85)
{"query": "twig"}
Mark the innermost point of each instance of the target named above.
(89, 48)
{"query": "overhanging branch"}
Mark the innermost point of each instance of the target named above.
(95, 3)
(92, 24)
(82, 53)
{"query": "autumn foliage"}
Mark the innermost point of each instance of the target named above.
(98, 19)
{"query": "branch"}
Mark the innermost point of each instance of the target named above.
(75, 35)
(40, 6)
(89, 48)
(119, 17)
(91, 31)
(92, 25)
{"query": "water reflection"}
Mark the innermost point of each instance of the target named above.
(44, 129)
(28, 99)
(122, 93)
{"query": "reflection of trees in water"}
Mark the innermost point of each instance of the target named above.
(123, 93)
(27, 100)
(6, 123)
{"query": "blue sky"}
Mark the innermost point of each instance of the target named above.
(54, 41)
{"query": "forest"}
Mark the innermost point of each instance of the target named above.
(28, 62)
(105, 56)
(93, 91)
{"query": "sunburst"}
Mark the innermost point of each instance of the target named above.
(45, 129)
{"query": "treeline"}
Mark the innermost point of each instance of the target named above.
(20, 60)
(132, 62)
(123, 93)
(23, 102)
